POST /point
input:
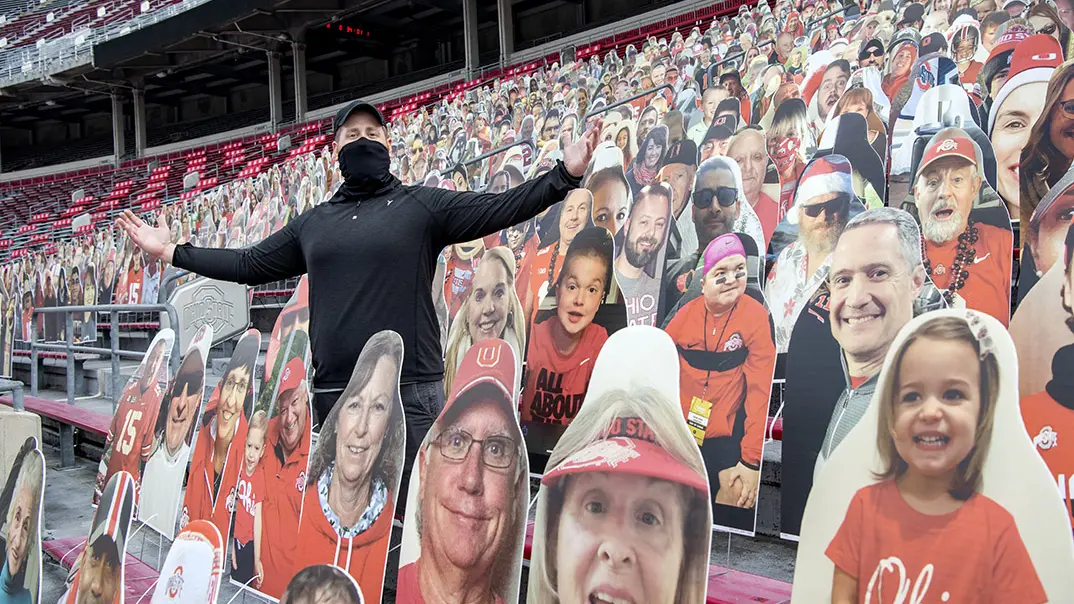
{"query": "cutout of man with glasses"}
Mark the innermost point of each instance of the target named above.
(472, 492)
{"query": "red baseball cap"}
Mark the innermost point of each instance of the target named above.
(293, 374)
(956, 146)
(628, 448)
(488, 362)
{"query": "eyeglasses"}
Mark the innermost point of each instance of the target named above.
(497, 452)
(725, 196)
(1047, 29)
(832, 206)
(1068, 108)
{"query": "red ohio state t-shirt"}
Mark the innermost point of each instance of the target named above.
(556, 384)
(249, 491)
(973, 554)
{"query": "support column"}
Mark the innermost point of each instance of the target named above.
(469, 36)
(275, 90)
(506, 23)
(139, 122)
(118, 148)
(299, 51)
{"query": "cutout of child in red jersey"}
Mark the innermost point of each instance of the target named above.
(916, 504)
(563, 347)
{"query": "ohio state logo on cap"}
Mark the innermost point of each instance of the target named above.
(947, 145)
(608, 453)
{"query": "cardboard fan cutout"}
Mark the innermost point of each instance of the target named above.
(1017, 106)
(192, 570)
(966, 231)
(173, 436)
(727, 356)
(322, 583)
(760, 181)
(554, 231)
(640, 250)
(100, 565)
(839, 342)
(222, 427)
(21, 509)
(491, 311)
(823, 203)
(875, 530)
(928, 72)
(273, 478)
(130, 435)
(1043, 230)
(627, 455)
(1043, 334)
(570, 328)
(469, 491)
(359, 455)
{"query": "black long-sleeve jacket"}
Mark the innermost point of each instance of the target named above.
(371, 258)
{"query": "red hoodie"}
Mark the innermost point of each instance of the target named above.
(285, 483)
(199, 503)
(363, 557)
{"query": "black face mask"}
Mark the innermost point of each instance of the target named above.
(364, 163)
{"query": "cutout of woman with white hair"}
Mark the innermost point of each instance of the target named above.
(20, 579)
(623, 510)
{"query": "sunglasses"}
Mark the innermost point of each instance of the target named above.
(832, 206)
(725, 196)
(1047, 29)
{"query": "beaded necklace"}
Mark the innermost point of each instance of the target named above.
(964, 257)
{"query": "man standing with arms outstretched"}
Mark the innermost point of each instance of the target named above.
(370, 252)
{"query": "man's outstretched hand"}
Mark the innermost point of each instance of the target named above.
(576, 154)
(155, 241)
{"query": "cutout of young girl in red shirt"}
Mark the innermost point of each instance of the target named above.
(925, 528)
(563, 347)
(246, 567)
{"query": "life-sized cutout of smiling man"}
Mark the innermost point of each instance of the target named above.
(463, 540)
(875, 276)
(162, 479)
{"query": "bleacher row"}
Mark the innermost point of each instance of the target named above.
(49, 21)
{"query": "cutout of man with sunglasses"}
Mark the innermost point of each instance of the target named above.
(821, 209)
(718, 207)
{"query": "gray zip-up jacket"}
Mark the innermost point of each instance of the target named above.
(848, 412)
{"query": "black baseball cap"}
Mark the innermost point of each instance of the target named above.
(351, 107)
(682, 151)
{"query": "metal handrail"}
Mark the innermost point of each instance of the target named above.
(635, 97)
(498, 150)
(69, 347)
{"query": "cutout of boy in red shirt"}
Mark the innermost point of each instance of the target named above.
(563, 348)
